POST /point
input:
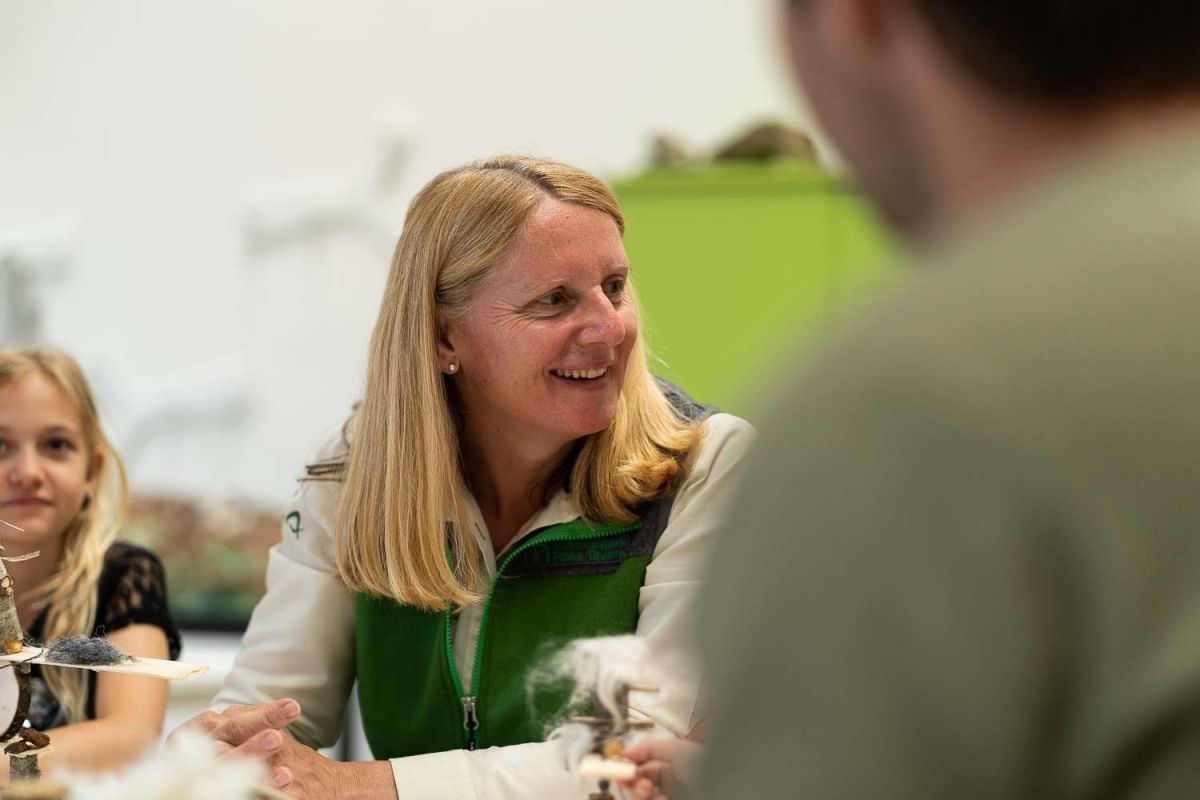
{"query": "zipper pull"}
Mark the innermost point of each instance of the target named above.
(470, 720)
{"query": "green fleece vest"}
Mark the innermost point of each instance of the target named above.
(562, 583)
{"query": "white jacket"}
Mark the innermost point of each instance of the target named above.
(300, 641)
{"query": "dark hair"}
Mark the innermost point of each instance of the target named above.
(1079, 52)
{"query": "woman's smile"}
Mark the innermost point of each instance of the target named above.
(580, 374)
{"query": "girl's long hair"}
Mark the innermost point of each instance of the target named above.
(69, 597)
(402, 525)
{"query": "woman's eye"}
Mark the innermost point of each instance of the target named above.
(615, 286)
(555, 298)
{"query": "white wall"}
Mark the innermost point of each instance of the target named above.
(220, 183)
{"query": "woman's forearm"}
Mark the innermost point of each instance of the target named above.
(99, 744)
(368, 780)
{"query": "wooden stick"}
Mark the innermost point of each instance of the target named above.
(10, 628)
(156, 667)
(595, 767)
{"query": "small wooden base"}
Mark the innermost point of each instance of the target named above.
(40, 789)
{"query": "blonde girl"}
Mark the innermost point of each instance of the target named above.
(64, 486)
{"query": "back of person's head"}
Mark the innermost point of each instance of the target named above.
(941, 106)
(403, 473)
(70, 596)
(1072, 52)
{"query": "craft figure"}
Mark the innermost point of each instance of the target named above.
(606, 761)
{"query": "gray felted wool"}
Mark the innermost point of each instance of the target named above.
(86, 651)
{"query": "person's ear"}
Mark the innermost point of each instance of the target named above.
(447, 356)
(860, 31)
(95, 470)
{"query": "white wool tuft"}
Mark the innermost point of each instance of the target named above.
(598, 668)
(187, 769)
(574, 740)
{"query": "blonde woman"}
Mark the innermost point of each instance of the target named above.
(64, 485)
(514, 478)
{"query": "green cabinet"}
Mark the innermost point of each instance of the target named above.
(741, 266)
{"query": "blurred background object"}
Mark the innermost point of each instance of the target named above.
(668, 151)
(200, 201)
(217, 549)
(768, 141)
(746, 259)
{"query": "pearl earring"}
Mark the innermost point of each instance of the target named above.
(453, 368)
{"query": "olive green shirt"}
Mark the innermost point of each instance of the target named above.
(965, 562)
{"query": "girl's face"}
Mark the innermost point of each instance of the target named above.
(46, 471)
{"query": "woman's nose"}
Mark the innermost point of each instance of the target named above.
(603, 324)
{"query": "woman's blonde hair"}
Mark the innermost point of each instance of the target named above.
(69, 597)
(402, 525)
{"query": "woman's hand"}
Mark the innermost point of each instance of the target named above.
(257, 732)
(237, 725)
(663, 766)
(296, 768)
(304, 773)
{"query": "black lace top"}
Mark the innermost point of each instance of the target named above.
(132, 591)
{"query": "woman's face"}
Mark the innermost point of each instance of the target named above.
(543, 345)
(45, 469)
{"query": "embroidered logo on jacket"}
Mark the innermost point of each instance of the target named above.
(577, 557)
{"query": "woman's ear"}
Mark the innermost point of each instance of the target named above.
(447, 356)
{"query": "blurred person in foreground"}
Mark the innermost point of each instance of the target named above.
(968, 550)
(514, 478)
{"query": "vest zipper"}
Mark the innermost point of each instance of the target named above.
(470, 720)
(470, 701)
